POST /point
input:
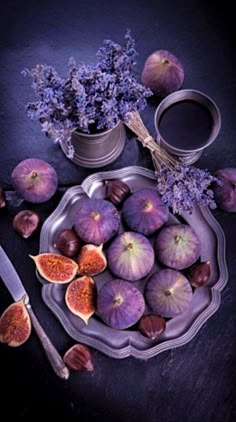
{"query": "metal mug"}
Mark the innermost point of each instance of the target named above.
(188, 156)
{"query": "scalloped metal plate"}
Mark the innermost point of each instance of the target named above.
(123, 343)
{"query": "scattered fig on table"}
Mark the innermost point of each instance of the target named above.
(26, 223)
(163, 73)
(225, 190)
(34, 180)
(2, 198)
(15, 325)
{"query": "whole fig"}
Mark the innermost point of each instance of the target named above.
(162, 73)
(35, 180)
(225, 190)
(144, 211)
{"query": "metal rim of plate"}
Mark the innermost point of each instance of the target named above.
(149, 348)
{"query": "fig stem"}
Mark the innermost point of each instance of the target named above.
(130, 246)
(165, 61)
(178, 238)
(34, 174)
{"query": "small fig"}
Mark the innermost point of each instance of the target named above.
(162, 73)
(91, 260)
(116, 191)
(68, 243)
(225, 190)
(26, 223)
(80, 297)
(152, 326)
(2, 198)
(15, 325)
(199, 274)
(35, 180)
(55, 268)
(79, 358)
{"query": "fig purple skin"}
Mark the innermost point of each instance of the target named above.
(225, 194)
(162, 73)
(168, 293)
(177, 246)
(35, 180)
(144, 211)
(130, 256)
(120, 304)
(96, 221)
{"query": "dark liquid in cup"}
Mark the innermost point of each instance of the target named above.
(186, 125)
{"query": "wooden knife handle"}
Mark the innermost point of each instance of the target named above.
(53, 356)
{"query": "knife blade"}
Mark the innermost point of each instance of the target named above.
(14, 284)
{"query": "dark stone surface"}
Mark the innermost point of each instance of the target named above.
(197, 381)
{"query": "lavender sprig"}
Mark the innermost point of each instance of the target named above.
(183, 186)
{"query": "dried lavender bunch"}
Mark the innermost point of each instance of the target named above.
(179, 186)
(90, 98)
(182, 186)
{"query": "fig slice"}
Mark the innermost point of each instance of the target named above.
(15, 325)
(91, 260)
(80, 297)
(55, 268)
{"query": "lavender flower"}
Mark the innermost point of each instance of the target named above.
(90, 98)
(183, 186)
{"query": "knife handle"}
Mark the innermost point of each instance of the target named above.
(53, 356)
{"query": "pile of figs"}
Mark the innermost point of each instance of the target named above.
(153, 266)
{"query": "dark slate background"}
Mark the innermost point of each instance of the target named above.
(197, 381)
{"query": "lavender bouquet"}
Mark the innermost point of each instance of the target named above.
(90, 98)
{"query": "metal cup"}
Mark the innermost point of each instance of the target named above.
(188, 156)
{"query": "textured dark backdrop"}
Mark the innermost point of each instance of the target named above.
(197, 381)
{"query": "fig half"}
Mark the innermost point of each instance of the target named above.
(81, 296)
(91, 260)
(55, 268)
(15, 325)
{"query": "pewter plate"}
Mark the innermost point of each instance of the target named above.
(123, 343)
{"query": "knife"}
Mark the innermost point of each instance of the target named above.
(13, 283)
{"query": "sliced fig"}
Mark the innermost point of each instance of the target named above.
(168, 293)
(130, 256)
(177, 246)
(120, 304)
(55, 268)
(144, 211)
(35, 180)
(15, 325)
(81, 297)
(96, 220)
(91, 260)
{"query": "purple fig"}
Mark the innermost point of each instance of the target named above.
(163, 73)
(168, 293)
(177, 246)
(120, 304)
(96, 220)
(144, 211)
(225, 190)
(35, 180)
(130, 256)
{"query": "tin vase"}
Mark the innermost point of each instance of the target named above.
(99, 149)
